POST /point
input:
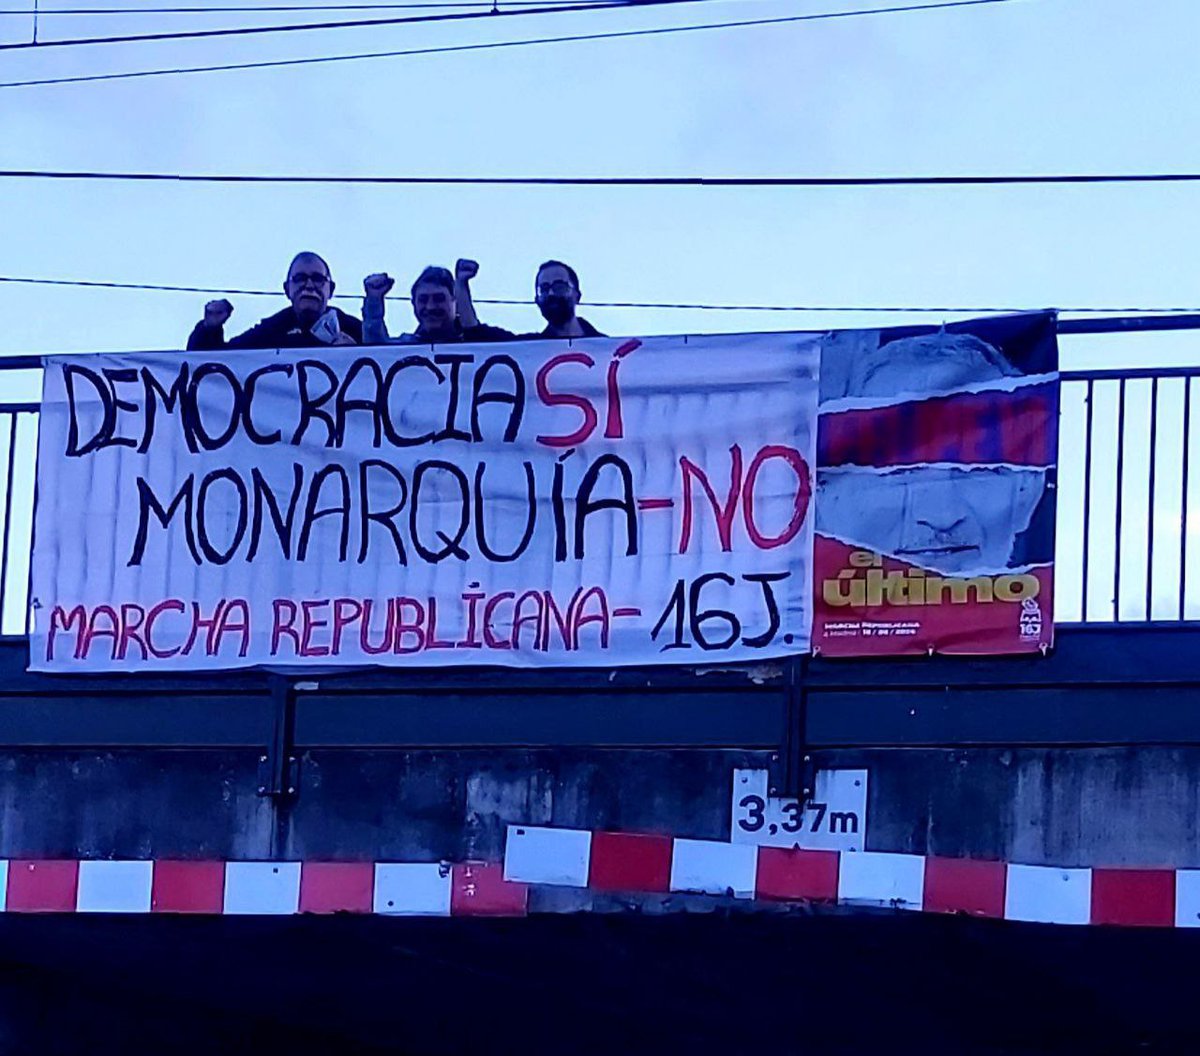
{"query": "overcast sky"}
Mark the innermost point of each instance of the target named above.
(1031, 86)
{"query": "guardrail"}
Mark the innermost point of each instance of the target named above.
(1128, 508)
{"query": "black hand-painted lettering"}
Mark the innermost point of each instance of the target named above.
(249, 389)
(98, 439)
(373, 405)
(172, 398)
(148, 504)
(699, 616)
(765, 579)
(455, 361)
(265, 498)
(312, 514)
(676, 605)
(389, 426)
(191, 406)
(120, 376)
(514, 399)
(311, 403)
(530, 516)
(384, 517)
(585, 505)
(216, 556)
(557, 505)
(451, 547)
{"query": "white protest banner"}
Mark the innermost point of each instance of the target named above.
(598, 503)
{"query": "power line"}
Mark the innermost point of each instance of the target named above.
(266, 9)
(449, 48)
(354, 23)
(619, 181)
(891, 309)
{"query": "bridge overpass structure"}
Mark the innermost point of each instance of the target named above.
(1081, 763)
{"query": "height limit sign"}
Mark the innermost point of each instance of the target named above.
(835, 819)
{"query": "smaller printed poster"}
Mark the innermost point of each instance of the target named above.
(935, 503)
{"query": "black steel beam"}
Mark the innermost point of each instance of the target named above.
(694, 719)
(1102, 684)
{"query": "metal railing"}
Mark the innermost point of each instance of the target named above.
(18, 462)
(1128, 510)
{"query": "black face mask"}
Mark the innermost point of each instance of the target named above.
(556, 310)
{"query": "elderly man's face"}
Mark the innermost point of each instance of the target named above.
(556, 295)
(948, 520)
(924, 364)
(308, 287)
(434, 306)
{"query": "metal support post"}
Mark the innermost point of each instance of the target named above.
(798, 768)
(279, 766)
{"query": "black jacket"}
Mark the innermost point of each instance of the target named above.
(480, 333)
(588, 331)
(281, 330)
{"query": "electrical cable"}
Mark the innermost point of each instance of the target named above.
(620, 181)
(266, 9)
(492, 45)
(354, 23)
(881, 309)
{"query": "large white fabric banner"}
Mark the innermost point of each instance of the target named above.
(535, 504)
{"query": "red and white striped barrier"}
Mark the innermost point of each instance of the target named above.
(261, 888)
(609, 862)
(606, 862)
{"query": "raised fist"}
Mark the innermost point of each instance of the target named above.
(465, 270)
(378, 285)
(217, 313)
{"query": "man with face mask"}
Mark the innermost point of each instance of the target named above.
(557, 294)
(308, 323)
(442, 304)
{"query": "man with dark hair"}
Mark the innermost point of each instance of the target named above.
(436, 304)
(308, 323)
(557, 295)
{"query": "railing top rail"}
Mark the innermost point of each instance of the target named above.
(1115, 324)
(1130, 373)
(1121, 324)
(20, 362)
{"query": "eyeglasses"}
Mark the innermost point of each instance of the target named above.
(559, 286)
(301, 278)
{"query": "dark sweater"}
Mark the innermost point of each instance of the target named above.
(281, 330)
(588, 331)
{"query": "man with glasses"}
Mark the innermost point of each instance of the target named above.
(308, 323)
(556, 293)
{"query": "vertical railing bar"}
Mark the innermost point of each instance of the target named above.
(1150, 504)
(1120, 510)
(1183, 501)
(1089, 400)
(36, 419)
(8, 494)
